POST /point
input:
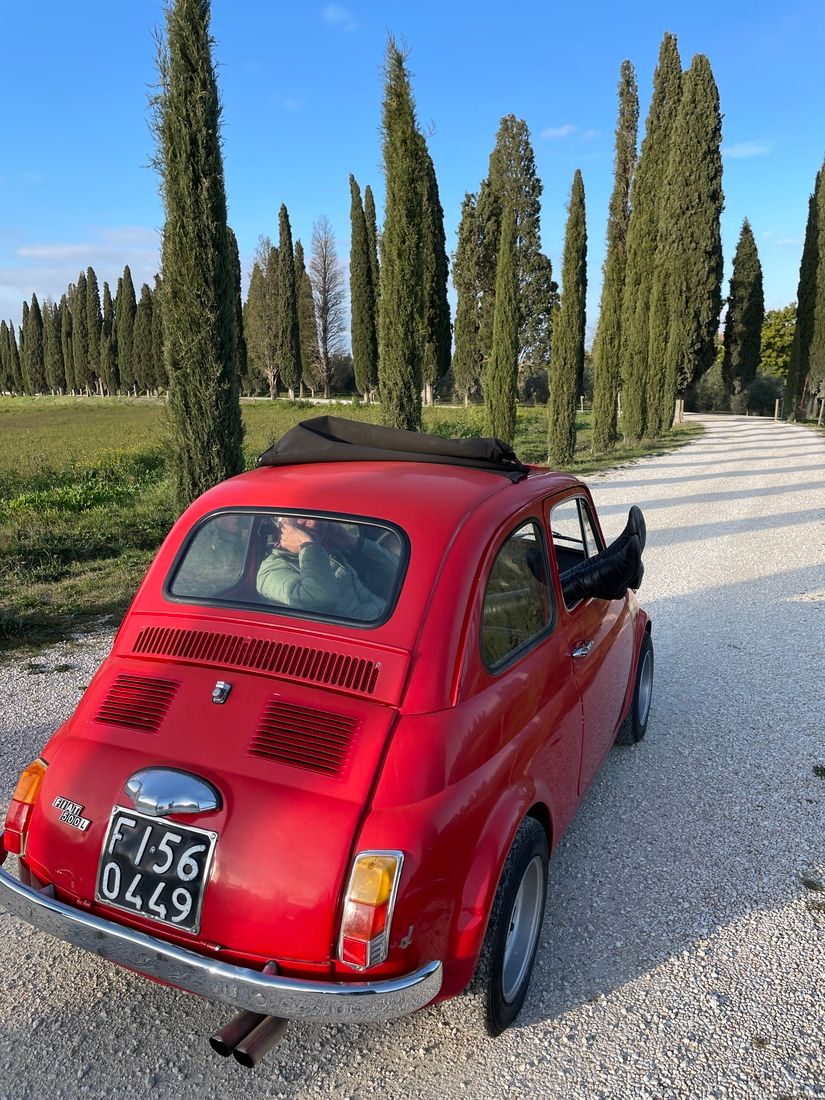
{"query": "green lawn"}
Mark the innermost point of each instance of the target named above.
(85, 496)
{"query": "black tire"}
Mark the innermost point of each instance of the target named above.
(634, 727)
(502, 975)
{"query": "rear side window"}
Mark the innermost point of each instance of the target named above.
(518, 605)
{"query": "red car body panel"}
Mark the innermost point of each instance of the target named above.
(445, 759)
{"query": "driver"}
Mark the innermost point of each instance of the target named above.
(325, 566)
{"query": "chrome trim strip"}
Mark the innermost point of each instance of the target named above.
(236, 986)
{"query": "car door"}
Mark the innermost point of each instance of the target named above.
(599, 634)
(525, 677)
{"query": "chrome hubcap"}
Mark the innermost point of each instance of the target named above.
(525, 922)
(645, 688)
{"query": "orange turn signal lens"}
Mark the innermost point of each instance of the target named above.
(372, 879)
(28, 785)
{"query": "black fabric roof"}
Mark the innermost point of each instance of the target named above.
(335, 439)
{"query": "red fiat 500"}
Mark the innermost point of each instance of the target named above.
(354, 705)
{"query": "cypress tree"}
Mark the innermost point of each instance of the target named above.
(241, 353)
(200, 341)
(501, 378)
(646, 199)
(125, 310)
(157, 336)
(55, 371)
(811, 277)
(401, 288)
(254, 310)
(289, 343)
(687, 284)
(372, 239)
(816, 365)
(362, 297)
(607, 346)
(80, 335)
(746, 312)
(568, 343)
(467, 360)
(24, 325)
(435, 266)
(14, 360)
(108, 346)
(94, 321)
(67, 343)
(513, 181)
(142, 358)
(34, 360)
(307, 324)
(6, 384)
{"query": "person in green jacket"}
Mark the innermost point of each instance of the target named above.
(328, 568)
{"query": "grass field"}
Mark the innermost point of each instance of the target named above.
(85, 496)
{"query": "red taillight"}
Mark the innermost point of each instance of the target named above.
(20, 808)
(368, 906)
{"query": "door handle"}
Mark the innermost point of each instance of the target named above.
(582, 649)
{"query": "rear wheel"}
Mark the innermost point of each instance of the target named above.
(634, 726)
(502, 976)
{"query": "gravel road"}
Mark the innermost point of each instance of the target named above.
(683, 952)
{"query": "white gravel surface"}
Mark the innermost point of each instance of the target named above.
(682, 953)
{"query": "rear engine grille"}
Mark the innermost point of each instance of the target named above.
(295, 662)
(303, 737)
(139, 702)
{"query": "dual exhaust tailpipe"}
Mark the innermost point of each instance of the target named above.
(249, 1036)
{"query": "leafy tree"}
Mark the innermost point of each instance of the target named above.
(307, 325)
(53, 352)
(67, 343)
(142, 358)
(401, 287)
(746, 312)
(500, 382)
(568, 353)
(94, 321)
(647, 193)
(777, 337)
(607, 347)
(437, 329)
(261, 315)
(687, 287)
(513, 181)
(289, 345)
(467, 361)
(83, 375)
(241, 353)
(125, 310)
(329, 296)
(34, 361)
(200, 340)
(372, 238)
(362, 297)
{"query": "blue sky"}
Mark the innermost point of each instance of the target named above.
(301, 91)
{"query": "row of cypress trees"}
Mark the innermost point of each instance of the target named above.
(83, 345)
(661, 296)
(806, 371)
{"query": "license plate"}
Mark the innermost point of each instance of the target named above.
(155, 868)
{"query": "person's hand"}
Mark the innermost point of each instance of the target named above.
(294, 535)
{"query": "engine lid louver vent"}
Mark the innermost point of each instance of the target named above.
(286, 659)
(138, 702)
(303, 737)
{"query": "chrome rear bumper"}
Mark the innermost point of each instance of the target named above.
(236, 986)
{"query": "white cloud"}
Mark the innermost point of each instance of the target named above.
(553, 132)
(589, 135)
(741, 149)
(336, 16)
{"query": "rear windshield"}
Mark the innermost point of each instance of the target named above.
(330, 567)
